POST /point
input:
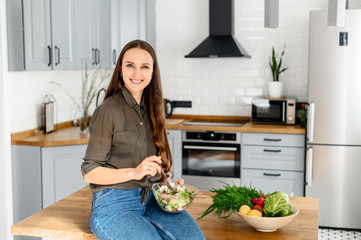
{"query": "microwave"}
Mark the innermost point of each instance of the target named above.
(269, 111)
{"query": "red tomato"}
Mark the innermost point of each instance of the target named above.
(259, 208)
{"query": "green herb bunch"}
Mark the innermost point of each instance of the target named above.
(230, 198)
(276, 66)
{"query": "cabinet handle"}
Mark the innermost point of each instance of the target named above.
(98, 55)
(272, 174)
(309, 166)
(93, 56)
(271, 150)
(310, 121)
(50, 57)
(212, 148)
(57, 51)
(272, 139)
(114, 56)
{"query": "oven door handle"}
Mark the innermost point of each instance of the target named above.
(233, 149)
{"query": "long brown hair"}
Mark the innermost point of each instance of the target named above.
(152, 96)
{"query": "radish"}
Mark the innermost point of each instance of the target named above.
(260, 201)
(254, 201)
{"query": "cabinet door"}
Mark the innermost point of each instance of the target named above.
(269, 181)
(273, 139)
(92, 29)
(83, 34)
(132, 21)
(277, 158)
(175, 144)
(37, 35)
(115, 31)
(61, 172)
(101, 37)
(26, 176)
(62, 17)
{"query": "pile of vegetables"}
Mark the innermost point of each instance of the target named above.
(231, 198)
(228, 200)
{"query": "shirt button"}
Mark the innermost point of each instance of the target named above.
(141, 123)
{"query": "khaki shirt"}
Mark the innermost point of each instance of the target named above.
(121, 136)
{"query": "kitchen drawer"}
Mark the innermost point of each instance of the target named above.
(273, 139)
(276, 158)
(269, 181)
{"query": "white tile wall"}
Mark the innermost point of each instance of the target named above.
(28, 88)
(215, 86)
(227, 85)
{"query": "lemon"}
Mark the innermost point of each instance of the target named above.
(255, 213)
(244, 209)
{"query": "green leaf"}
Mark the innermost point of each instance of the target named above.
(276, 66)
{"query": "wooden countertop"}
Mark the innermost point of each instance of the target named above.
(69, 135)
(69, 219)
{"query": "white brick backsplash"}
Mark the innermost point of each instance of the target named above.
(232, 82)
(223, 86)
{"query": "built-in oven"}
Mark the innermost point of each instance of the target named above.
(210, 158)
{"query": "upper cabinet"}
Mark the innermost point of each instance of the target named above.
(49, 34)
(65, 34)
(92, 29)
(131, 19)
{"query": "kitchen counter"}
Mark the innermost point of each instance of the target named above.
(69, 135)
(69, 219)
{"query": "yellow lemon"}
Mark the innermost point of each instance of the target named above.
(244, 209)
(255, 213)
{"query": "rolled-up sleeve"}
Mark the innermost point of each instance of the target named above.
(100, 140)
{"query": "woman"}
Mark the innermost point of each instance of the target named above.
(127, 147)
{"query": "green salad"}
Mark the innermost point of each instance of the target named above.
(173, 201)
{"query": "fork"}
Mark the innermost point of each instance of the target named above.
(169, 183)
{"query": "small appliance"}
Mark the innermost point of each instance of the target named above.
(278, 111)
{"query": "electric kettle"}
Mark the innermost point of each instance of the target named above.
(168, 107)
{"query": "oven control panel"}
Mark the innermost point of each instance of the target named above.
(211, 136)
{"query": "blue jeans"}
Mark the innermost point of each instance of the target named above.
(120, 214)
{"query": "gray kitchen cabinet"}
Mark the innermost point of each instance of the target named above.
(272, 162)
(175, 144)
(130, 20)
(92, 29)
(61, 172)
(44, 175)
(48, 34)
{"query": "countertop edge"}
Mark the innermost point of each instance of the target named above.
(70, 135)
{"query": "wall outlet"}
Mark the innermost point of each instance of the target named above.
(182, 104)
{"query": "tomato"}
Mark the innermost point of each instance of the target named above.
(259, 208)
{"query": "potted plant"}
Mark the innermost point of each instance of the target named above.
(275, 87)
(90, 88)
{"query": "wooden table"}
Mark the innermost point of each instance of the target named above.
(69, 219)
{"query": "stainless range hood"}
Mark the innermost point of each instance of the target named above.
(220, 42)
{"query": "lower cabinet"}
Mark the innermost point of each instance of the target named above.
(273, 162)
(42, 176)
(175, 145)
(61, 172)
(269, 181)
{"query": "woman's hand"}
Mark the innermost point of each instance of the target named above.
(179, 182)
(149, 166)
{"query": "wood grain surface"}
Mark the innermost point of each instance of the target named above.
(69, 219)
(70, 135)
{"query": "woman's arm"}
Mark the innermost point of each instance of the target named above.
(106, 176)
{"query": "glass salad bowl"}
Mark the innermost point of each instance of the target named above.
(171, 201)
